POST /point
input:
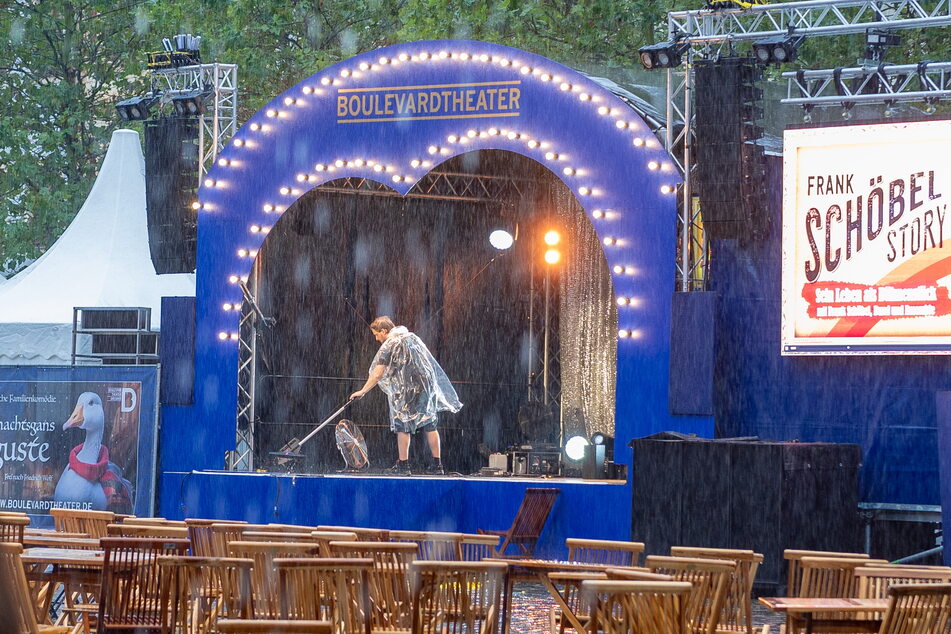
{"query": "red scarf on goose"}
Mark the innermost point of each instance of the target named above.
(91, 472)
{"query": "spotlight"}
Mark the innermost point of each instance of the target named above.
(599, 438)
(778, 49)
(136, 108)
(574, 448)
(190, 103)
(501, 239)
(552, 238)
(552, 256)
(662, 55)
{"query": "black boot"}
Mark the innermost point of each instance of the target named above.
(400, 467)
(435, 468)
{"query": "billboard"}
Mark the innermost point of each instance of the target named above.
(80, 438)
(867, 239)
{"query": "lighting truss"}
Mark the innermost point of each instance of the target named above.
(928, 82)
(242, 458)
(710, 30)
(220, 120)
(441, 186)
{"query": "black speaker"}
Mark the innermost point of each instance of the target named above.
(764, 496)
(730, 162)
(112, 345)
(171, 179)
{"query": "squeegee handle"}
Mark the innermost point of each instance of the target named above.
(325, 423)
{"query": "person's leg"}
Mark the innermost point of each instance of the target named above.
(432, 437)
(402, 443)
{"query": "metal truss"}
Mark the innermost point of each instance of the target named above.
(811, 17)
(441, 186)
(710, 31)
(242, 458)
(927, 82)
(220, 120)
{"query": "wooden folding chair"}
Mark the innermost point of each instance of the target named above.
(244, 626)
(92, 523)
(152, 521)
(264, 587)
(528, 523)
(794, 571)
(569, 584)
(130, 597)
(196, 591)
(19, 610)
(390, 596)
(737, 614)
(452, 597)
(477, 547)
(222, 534)
(433, 546)
(603, 551)
(155, 531)
(831, 577)
(324, 538)
(874, 581)
(363, 534)
(12, 527)
(918, 609)
(331, 589)
(267, 536)
(710, 580)
(637, 607)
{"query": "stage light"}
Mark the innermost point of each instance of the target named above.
(196, 205)
(223, 336)
(574, 448)
(501, 239)
(136, 108)
(552, 238)
(552, 256)
(190, 103)
(777, 49)
(662, 55)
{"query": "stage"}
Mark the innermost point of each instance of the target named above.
(443, 503)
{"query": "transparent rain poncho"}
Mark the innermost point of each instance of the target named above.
(352, 445)
(414, 384)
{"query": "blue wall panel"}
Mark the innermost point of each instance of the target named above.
(886, 404)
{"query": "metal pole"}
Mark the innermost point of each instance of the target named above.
(531, 326)
(545, 347)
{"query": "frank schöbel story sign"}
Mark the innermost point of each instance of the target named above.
(867, 239)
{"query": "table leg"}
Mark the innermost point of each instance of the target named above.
(507, 603)
(566, 612)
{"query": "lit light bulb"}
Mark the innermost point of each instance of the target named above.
(666, 189)
(526, 70)
(235, 336)
(452, 138)
(325, 81)
(209, 182)
(196, 205)
(345, 72)
(414, 163)
(653, 165)
(568, 171)
(397, 178)
(285, 191)
(255, 126)
(227, 306)
(622, 301)
(552, 256)
(623, 334)
(638, 141)
(271, 113)
(432, 149)
(233, 279)
(618, 269)
(584, 191)
(289, 101)
(223, 336)
(238, 142)
(223, 162)
(603, 110)
(609, 241)
(242, 253)
(621, 124)
(598, 213)
(629, 270)
(584, 96)
(268, 208)
(565, 86)
(320, 167)
(307, 90)
(552, 237)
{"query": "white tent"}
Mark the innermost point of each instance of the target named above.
(101, 260)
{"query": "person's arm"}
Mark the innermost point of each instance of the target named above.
(373, 379)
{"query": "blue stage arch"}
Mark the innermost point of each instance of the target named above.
(392, 115)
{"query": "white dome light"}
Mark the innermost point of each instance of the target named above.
(574, 448)
(501, 239)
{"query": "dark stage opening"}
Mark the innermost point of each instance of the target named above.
(354, 249)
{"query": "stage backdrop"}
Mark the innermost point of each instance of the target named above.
(78, 437)
(392, 115)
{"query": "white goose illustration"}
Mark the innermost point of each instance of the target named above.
(72, 486)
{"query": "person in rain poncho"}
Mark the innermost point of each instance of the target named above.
(415, 387)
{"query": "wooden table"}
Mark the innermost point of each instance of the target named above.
(806, 608)
(537, 570)
(53, 540)
(47, 567)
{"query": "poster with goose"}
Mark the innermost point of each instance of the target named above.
(79, 438)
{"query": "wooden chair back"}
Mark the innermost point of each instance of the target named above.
(433, 546)
(148, 531)
(710, 579)
(873, 582)
(330, 589)
(831, 576)
(196, 591)
(245, 626)
(794, 570)
(390, 596)
(267, 536)
(130, 595)
(324, 538)
(603, 551)
(363, 534)
(452, 597)
(918, 609)
(93, 523)
(280, 528)
(636, 574)
(475, 547)
(20, 611)
(528, 523)
(264, 587)
(737, 613)
(12, 527)
(152, 521)
(637, 607)
(200, 535)
(221, 537)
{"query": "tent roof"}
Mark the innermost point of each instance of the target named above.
(102, 259)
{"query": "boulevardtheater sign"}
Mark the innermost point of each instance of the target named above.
(445, 101)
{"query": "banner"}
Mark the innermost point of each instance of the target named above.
(80, 438)
(867, 239)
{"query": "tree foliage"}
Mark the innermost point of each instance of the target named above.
(64, 64)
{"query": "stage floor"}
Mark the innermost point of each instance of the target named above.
(597, 509)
